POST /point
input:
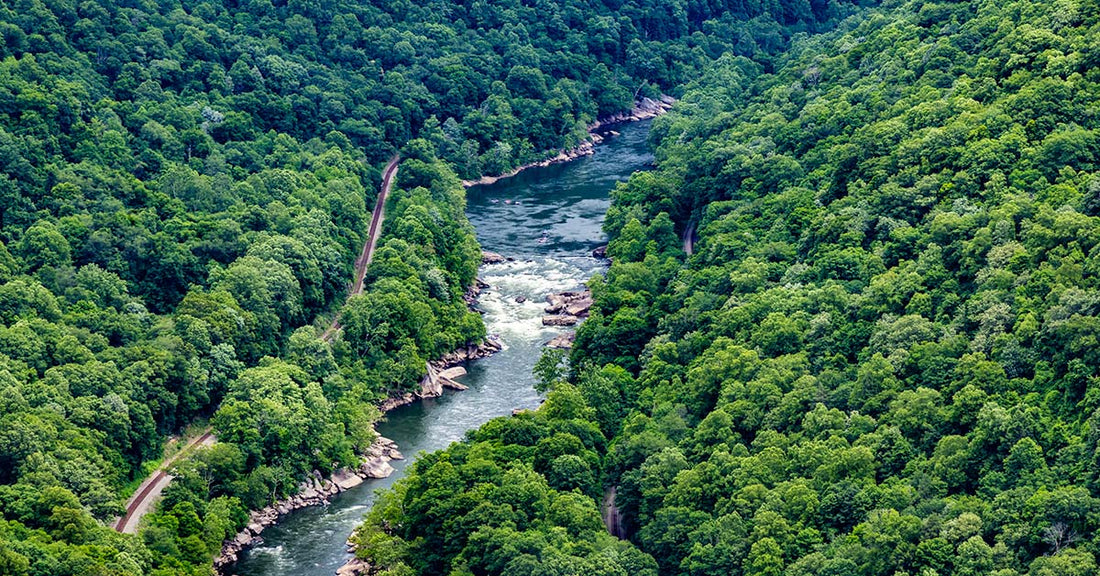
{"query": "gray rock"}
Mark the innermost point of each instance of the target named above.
(376, 469)
(353, 567)
(579, 307)
(559, 320)
(346, 479)
(491, 257)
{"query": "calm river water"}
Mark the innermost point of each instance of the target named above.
(548, 220)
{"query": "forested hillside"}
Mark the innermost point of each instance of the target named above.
(184, 188)
(880, 357)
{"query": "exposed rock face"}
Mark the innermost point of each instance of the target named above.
(452, 372)
(643, 110)
(488, 257)
(430, 385)
(559, 320)
(470, 297)
(391, 403)
(346, 479)
(354, 567)
(314, 491)
(376, 469)
(490, 346)
(600, 252)
(563, 342)
(579, 307)
(567, 308)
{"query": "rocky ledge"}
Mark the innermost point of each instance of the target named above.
(316, 490)
(490, 346)
(644, 109)
(441, 373)
(567, 308)
(488, 257)
(472, 294)
(354, 567)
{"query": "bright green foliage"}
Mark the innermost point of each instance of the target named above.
(184, 188)
(880, 357)
(518, 498)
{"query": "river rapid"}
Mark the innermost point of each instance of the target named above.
(548, 220)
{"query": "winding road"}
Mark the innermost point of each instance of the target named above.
(373, 233)
(147, 493)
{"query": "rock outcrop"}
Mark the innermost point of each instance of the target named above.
(471, 295)
(566, 309)
(644, 109)
(563, 341)
(488, 257)
(559, 320)
(354, 567)
(490, 346)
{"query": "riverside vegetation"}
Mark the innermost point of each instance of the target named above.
(184, 189)
(880, 357)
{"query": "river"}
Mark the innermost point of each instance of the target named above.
(548, 220)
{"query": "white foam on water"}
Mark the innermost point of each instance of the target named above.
(532, 279)
(275, 555)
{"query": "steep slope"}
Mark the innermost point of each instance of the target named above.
(880, 356)
(183, 194)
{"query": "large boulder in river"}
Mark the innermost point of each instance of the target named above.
(346, 479)
(376, 468)
(579, 307)
(556, 302)
(492, 258)
(570, 303)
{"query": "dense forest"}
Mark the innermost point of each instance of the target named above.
(184, 187)
(879, 356)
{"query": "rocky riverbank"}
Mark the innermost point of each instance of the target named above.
(314, 491)
(643, 109)
(317, 490)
